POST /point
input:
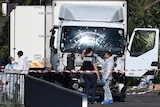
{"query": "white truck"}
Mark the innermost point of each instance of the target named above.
(102, 25)
(79, 24)
(34, 40)
(29, 26)
(30, 32)
(104, 29)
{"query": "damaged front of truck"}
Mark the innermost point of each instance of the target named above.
(99, 26)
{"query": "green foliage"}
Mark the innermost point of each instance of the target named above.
(4, 36)
(139, 17)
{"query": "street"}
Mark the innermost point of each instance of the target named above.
(149, 99)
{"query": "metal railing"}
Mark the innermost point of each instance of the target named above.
(11, 88)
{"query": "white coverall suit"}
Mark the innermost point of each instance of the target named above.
(107, 64)
(23, 68)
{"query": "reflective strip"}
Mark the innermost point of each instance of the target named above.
(88, 71)
(36, 64)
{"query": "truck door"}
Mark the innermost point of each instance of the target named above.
(142, 51)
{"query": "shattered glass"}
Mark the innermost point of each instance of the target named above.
(143, 42)
(101, 39)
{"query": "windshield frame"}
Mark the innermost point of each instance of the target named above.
(64, 38)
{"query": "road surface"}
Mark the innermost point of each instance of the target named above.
(149, 99)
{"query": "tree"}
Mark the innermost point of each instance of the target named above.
(3, 33)
(140, 17)
(149, 3)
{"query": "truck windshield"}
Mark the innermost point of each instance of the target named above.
(101, 39)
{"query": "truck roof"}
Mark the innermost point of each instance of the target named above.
(91, 13)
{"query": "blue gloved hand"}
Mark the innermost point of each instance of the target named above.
(103, 80)
(95, 55)
(11, 65)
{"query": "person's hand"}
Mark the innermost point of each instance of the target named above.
(98, 77)
(95, 55)
(84, 51)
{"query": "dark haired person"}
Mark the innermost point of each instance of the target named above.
(92, 77)
(23, 68)
(108, 65)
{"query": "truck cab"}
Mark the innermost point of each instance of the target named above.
(79, 28)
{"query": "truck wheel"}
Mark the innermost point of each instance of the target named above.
(123, 94)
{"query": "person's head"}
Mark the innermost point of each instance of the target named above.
(19, 53)
(10, 60)
(107, 54)
(89, 51)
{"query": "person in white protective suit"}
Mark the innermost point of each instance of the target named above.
(108, 65)
(10, 79)
(23, 68)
